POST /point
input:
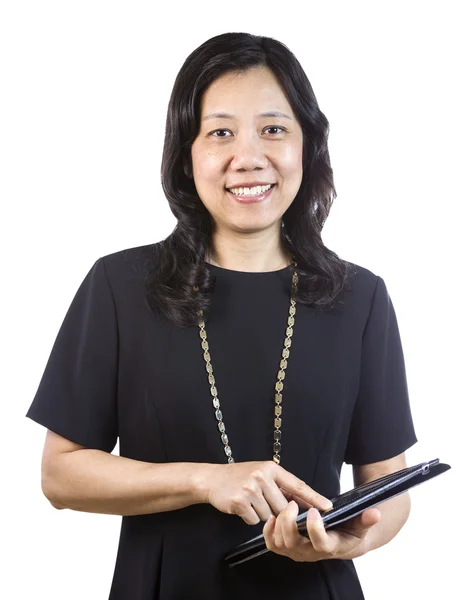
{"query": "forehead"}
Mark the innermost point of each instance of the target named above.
(237, 91)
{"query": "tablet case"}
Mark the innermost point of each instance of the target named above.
(350, 504)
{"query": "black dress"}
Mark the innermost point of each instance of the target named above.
(117, 370)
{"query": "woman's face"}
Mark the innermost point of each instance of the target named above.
(247, 147)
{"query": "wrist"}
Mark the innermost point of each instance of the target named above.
(199, 481)
(363, 548)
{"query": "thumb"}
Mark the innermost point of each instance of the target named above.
(360, 524)
(370, 517)
(367, 519)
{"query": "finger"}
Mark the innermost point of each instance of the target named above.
(274, 496)
(288, 515)
(317, 534)
(360, 524)
(262, 507)
(277, 533)
(299, 488)
(249, 515)
(288, 525)
(301, 503)
(268, 530)
(370, 517)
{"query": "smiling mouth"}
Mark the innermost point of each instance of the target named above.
(248, 195)
(248, 198)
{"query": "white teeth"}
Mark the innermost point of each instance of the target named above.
(254, 191)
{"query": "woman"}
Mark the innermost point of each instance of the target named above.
(239, 361)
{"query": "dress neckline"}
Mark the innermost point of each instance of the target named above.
(222, 270)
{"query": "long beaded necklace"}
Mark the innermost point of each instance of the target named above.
(279, 384)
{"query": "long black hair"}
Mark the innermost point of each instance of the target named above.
(178, 262)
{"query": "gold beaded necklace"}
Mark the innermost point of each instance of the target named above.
(278, 386)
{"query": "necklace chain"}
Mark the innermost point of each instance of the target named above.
(278, 387)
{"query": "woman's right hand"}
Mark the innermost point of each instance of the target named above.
(255, 490)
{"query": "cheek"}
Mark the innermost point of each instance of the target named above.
(291, 161)
(206, 165)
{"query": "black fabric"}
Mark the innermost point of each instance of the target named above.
(118, 370)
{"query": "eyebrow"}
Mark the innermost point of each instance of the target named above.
(270, 113)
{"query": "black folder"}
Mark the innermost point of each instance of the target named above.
(350, 504)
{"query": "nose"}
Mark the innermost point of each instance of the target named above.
(248, 152)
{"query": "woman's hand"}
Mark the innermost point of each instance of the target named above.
(255, 490)
(282, 536)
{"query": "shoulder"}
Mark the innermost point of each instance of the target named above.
(364, 279)
(364, 289)
(128, 256)
(129, 263)
(361, 284)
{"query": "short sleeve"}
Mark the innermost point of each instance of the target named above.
(77, 394)
(381, 425)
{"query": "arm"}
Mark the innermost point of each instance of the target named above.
(91, 480)
(394, 512)
(94, 481)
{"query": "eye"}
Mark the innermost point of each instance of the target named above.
(217, 130)
(276, 127)
(269, 127)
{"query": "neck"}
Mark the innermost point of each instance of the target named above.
(260, 254)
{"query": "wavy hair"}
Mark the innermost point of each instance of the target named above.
(179, 260)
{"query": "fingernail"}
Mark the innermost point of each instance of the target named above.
(328, 505)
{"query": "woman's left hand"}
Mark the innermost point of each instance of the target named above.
(282, 536)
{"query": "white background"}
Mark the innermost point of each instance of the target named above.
(85, 87)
